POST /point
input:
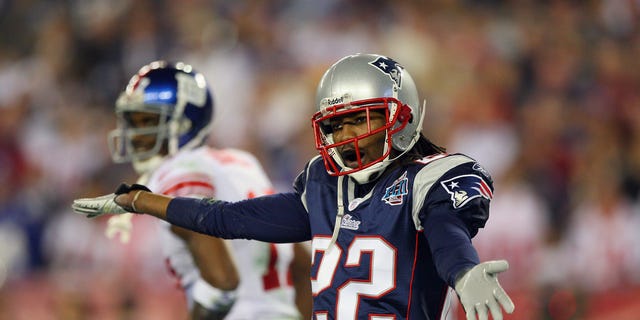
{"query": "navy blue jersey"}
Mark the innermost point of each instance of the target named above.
(399, 244)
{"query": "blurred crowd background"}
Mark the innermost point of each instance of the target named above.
(546, 94)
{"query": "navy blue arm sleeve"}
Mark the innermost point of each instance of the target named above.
(450, 244)
(277, 218)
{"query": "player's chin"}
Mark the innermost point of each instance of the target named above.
(142, 148)
(354, 164)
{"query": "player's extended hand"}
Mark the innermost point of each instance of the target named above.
(479, 290)
(94, 207)
(120, 225)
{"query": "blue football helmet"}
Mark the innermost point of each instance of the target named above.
(179, 101)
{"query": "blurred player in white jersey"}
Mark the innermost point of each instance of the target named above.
(164, 116)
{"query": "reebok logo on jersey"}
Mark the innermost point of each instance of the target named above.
(349, 223)
(466, 187)
(394, 194)
(478, 167)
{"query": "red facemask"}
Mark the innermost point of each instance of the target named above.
(396, 116)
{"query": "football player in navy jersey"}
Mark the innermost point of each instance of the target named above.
(389, 214)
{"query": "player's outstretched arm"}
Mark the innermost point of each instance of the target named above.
(274, 218)
(127, 198)
(480, 292)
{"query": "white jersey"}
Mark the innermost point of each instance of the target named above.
(265, 290)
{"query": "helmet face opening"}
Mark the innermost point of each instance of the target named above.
(350, 154)
(140, 135)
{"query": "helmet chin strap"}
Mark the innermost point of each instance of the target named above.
(339, 214)
(369, 174)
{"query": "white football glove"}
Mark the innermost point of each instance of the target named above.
(478, 290)
(212, 298)
(94, 207)
(120, 225)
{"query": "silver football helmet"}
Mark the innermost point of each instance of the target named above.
(367, 82)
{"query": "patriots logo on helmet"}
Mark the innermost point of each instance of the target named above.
(390, 67)
(466, 187)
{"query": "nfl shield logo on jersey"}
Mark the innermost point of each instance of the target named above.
(466, 187)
